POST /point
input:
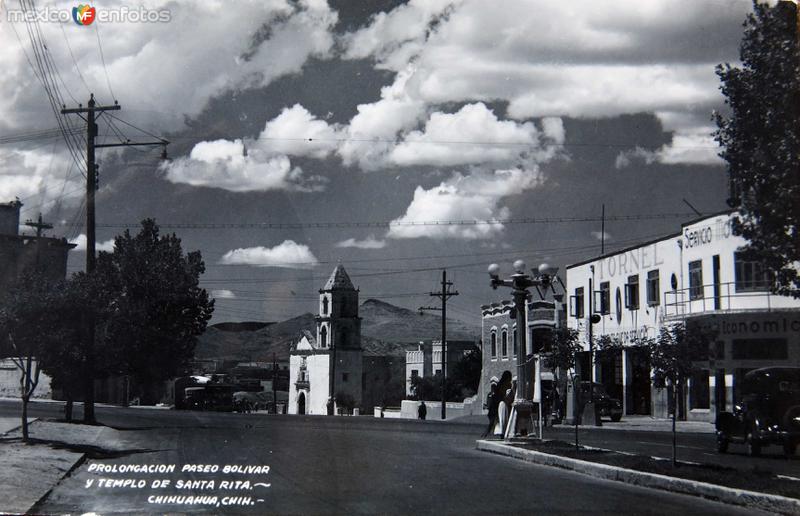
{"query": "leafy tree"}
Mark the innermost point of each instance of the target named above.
(761, 140)
(467, 373)
(28, 323)
(155, 308)
(672, 357)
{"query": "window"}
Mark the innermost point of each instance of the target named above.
(653, 288)
(504, 343)
(696, 280)
(414, 373)
(324, 306)
(750, 275)
(323, 337)
(577, 309)
(632, 292)
(514, 343)
(345, 377)
(493, 339)
(604, 302)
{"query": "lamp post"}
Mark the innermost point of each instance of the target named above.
(519, 282)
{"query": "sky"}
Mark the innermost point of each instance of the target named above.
(357, 130)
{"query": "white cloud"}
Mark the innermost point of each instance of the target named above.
(694, 148)
(472, 198)
(223, 294)
(39, 178)
(223, 164)
(368, 243)
(80, 240)
(554, 59)
(372, 132)
(206, 48)
(393, 37)
(288, 254)
(472, 135)
(299, 133)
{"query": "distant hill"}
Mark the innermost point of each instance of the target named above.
(386, 329)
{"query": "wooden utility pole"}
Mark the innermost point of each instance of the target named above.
(443, 295)
(91, 112)
(39, 225)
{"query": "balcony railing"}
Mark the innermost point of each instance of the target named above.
(302, 379)
(719, 297)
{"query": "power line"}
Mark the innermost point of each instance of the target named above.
(386, 224)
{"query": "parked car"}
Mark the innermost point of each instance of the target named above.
(608, 406)
(769, 412)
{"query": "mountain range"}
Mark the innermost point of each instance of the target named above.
(386, 329)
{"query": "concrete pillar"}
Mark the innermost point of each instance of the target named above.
(624, 381)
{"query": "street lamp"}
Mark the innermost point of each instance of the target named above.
(519, 282)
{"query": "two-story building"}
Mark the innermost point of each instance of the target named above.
(698, 275)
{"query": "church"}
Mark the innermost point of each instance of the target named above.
(326, 366)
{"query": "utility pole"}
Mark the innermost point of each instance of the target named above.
(444, 294)
(39, 225)
(91, 112)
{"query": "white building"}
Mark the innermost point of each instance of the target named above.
(334, 353)
(696, 275)
(426, 360)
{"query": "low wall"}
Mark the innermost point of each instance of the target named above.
(9, 382)
(388, 413)
(469, 407)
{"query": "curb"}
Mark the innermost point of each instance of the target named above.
(19, 427)
(768, 502)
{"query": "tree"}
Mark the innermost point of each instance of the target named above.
(65, 359)
(155, 308)
(467, 373)
(672, 357)
(28, 323)
(761, 140)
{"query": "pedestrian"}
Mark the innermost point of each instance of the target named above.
(492, 403)
(422, 411)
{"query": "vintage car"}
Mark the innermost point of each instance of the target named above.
(768, 413)
(607, 406)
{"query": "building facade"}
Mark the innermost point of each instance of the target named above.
(499, 337)
(329, 365)
(426, 360)
(698, 275)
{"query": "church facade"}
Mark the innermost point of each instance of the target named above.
(326, 366)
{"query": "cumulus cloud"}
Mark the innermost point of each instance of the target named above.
(223, 294)
(368, 243)
(80, 240)
(472, 135)
(299, 133)
(693, 147)
(288, 254)
(372, 132)
(474, 199)
(230, 165)
(578, 59)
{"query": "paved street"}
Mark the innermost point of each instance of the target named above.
(320, 465)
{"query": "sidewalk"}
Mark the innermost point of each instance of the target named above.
(29, 471)
(629, 423)
(651, 424)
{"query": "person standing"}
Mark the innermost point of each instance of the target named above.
(492, 402)
(422, 411)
